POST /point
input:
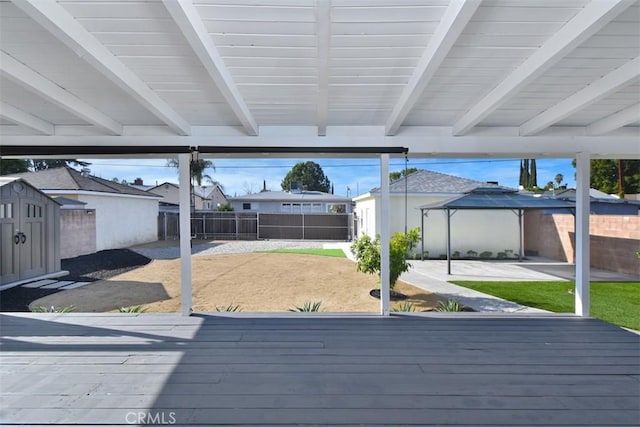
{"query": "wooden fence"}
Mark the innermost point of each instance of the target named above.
(253, 225)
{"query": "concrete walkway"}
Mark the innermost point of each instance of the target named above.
(432, 276)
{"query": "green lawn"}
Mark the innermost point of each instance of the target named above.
(614, 302)
(323, 252)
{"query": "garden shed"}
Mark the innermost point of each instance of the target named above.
(29, 232)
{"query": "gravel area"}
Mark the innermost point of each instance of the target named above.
(226, 247)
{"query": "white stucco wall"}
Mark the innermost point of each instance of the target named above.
(123, 221)
(493, 230)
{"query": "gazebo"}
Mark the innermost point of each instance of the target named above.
(434, 78)
(492, 198)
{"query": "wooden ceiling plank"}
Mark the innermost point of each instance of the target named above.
(54, 18)
(597, 90)
(586, 23)
(186, 16)
(453, 22)
(20, 117)
(323, 31)
(34, 82)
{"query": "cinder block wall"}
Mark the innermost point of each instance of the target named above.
(614, 239)
(77, 232)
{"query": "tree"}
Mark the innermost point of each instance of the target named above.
(528, 173)
(42, 164)
(558, 179)
(394, 176)
(310, 174)
(606, 175)
(9, 166)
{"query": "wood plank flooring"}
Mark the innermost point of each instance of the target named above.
(462, 369)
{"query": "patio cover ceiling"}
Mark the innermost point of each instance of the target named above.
(501, 78)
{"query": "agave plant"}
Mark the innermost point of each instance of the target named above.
(52, 309)
(449, 305)
(229, 308)
(404, 307)
(132, 309)
(307, 307)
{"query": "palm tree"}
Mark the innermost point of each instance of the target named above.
(558, 179)
(197, 171)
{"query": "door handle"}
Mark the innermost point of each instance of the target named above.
(16, 238)
(23, 238)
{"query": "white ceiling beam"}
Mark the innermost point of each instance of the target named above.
(323, 33)
(187, 18)
(20, 117)
(453, 22)
(597, 90)
(34, 82)
(615, 121)
(586, 23)
(55, 19)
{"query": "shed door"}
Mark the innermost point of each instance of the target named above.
(22, 233)
(9, 268)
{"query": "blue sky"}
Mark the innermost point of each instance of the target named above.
(239, 176)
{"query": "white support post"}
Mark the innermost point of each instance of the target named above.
(582, 234)
(385, 235)
(184, 162)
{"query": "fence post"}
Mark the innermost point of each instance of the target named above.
(302, 225)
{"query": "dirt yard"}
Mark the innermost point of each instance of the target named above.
(257, 282)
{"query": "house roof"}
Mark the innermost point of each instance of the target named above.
(503, 78)
(65, 201)
(425, 181)
(498, 198)
(595, 196)
(9, 179)
(196, 191)
(67, 178)
(285, 196)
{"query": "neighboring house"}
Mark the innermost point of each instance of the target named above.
(600, 203)
(205, 198)
(291, 202)
(124, 216)
(472, 230)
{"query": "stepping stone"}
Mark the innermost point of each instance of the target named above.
(75, 285)
(57, 284)
(39, 283)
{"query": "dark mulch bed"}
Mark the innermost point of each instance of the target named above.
(393, 295)
(85, 268)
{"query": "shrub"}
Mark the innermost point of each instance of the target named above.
(225, 207)
(456, 254)
(486, 254)
(471, 253)
(502, 255)
(449, 305)
(367, 253)
(307, 307)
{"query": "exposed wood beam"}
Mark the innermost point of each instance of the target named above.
(190, 23)
(597, 90)
(23, 118)
(323, 33)
(451, 25)
(34, 82)
(55, 19)
(586, 23)
(615, 121)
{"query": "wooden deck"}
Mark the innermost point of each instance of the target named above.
(462, 369)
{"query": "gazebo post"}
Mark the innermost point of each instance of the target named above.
(583, 163)
(448, 241)
(521, 234)
(184, 166)
(421, 234)
(385, 236)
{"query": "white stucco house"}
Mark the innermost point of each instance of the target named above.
(124, 215)
(292, 202)
(205, 198)
(472, 230)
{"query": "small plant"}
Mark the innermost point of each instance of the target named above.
(471, 253)
(309, 306)
(443, 256)
(228, 308)
(501, 255)
(425, 254)
(486, 254)
(509, 252)
(52, 309)
(448, 306)
(456, 254)
(132, 309)
(404, 307)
